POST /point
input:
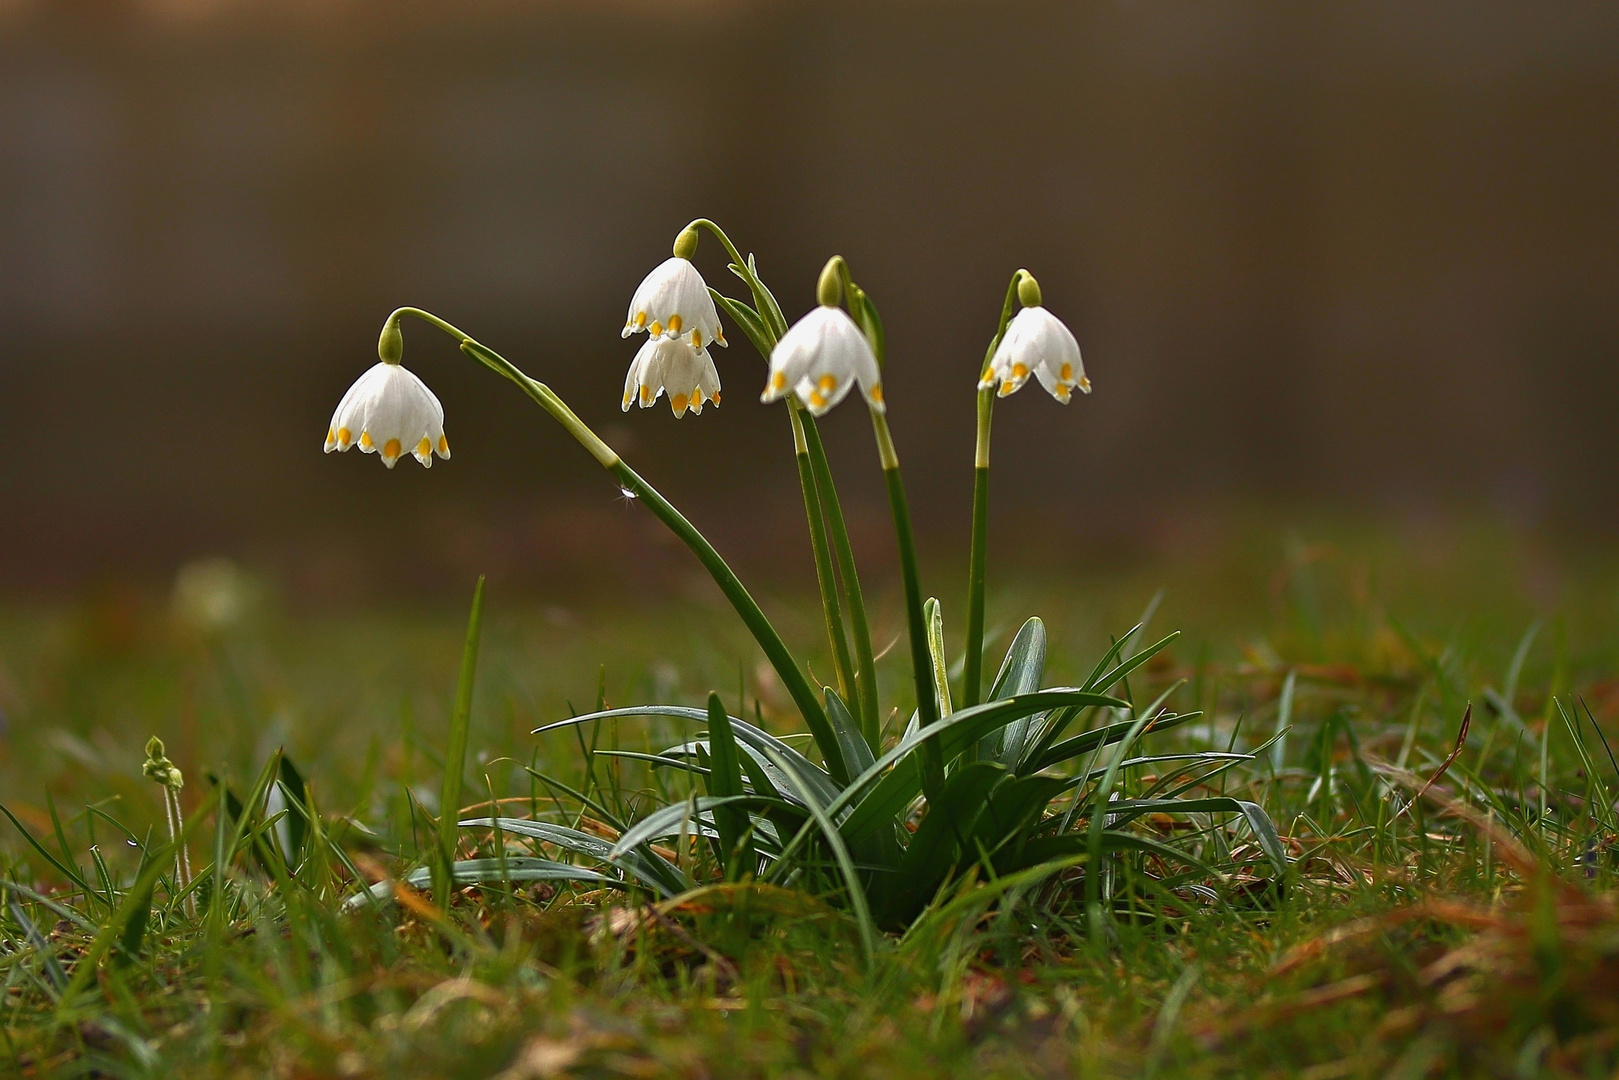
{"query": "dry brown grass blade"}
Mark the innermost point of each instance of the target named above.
(1444, 766)
(1445, 910)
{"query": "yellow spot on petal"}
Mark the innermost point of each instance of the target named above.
(331, 437)
(646, 396)
(443, 446)
(778, 381)
(678, 403)
(425, 447)
(674, 324)
(656, 329)
(1067, 373)
(817, 400)
(365, 441)
(697, 339)
(716, 398)
(719, 334)
(828, 383)
(876, 393)
(988, 376)
(391, 449)
(1084, 384)
(344, 437)
(1062, 393)
(640, 320)
(1020, 371)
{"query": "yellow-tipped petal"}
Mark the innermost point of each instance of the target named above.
(656, 329)
(674, 324)
(640, 320)
(677, 402)
(391, 448)
(1084, 385)
(876, 393)
(331, 438)
(646, 396)
(697, 339)
(716, 398)
(1020, 371)
(443, 446)
(424, 448)
(778, 381)
(828, 383)
(345, 438)
(365, 441)
(1067, 373)
(817, 400)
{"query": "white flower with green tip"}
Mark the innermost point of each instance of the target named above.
(671, 364)
(1037, 343)
(673, 301)
(820, 359)
(389, 411)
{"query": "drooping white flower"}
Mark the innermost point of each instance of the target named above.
(389, 411)
(1037, 343)
(672, 364)
(820, 359)
(673, 300)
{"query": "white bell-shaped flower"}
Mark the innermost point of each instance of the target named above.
(674, 301)
(389, 411)
(820, 359)
(673, 365)
(1037, 343)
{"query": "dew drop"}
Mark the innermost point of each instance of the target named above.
(626, 492)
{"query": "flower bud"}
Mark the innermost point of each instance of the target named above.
(829, 290)
(1028, 290)
(686, 243)
(391, 345)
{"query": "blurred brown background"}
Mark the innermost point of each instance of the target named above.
(1356, 258)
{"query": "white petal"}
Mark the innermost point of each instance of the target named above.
(389, 411)
(673, 300)
(821, 358)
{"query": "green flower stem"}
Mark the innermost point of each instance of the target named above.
(973, 669)
(775, 650)
(972, 675)
(823, 559)
(763, 300)
(867, 705)
(927, 707)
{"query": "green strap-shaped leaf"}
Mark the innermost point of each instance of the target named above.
(656, 874)
(937, 846)
(737, 854)
(1021, 673)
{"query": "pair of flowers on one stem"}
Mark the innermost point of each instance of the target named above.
(391, 412)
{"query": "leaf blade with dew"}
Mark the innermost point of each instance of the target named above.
(670, 820)
(456, 751)
(71, 875)
(1021, 672)
(657, 874)
(814, 779)
(737, 855)
(488, 871)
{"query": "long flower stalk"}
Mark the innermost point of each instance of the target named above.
(972, 673)
(824, 575)
(868, 709)
(828, 517)
(775, 650)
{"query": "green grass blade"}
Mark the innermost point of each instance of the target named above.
(455, 753)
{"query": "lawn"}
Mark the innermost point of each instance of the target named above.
(1468, 931)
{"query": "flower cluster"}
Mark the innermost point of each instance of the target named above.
(674, 308)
